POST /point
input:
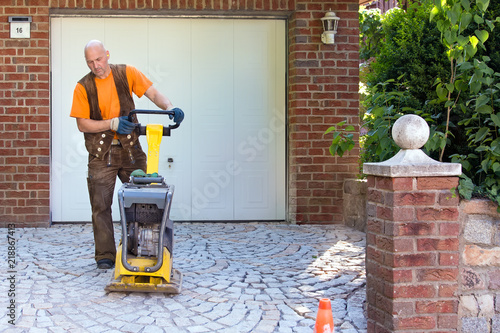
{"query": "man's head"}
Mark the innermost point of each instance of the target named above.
(96, 57)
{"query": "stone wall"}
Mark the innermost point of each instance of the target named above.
(479, 289)
(355, 203)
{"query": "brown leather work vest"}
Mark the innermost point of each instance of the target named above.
(98, 144)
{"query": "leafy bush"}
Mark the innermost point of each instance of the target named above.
(440, 60)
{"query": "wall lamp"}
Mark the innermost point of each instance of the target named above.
(330, 24)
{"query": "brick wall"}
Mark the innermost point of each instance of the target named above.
(412, 254)
(24, 118)
(323, 85)
(323, 90)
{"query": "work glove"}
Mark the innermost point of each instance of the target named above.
(178, 115)
(121, 125)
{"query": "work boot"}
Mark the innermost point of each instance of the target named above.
(105, 264)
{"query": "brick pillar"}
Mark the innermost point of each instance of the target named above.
(412, 250)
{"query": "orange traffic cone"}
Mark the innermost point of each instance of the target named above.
(324, 318)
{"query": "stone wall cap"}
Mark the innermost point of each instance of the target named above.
(412, 163)
(410, 132)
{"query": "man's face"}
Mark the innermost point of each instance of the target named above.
(97, 60)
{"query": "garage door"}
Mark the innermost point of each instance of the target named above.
(227, 159)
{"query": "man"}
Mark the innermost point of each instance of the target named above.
(102, 101)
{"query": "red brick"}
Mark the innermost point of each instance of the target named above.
(437, 214)
(437, 244)
(410, 260)
(374, 195)
(414, 198)
(415, 323)
(437, 274)
(402, 308)
(449, 259)
(375, 226)
(449, 306)
(447, 199)
(437, 183)
(374, 254)
(403, 245)
(395, 213)
(448, 290)
(414, 229)
(384, 243)
(394, 184)
(412, 291)
(449, 229)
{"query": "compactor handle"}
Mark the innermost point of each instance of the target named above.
(166, 129)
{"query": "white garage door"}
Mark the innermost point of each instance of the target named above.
(229, 78)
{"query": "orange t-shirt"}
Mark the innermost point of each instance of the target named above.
(108, 97)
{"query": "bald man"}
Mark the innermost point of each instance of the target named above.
(102, 100)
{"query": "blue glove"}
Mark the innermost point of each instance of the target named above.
(178, 115)
(125, 126)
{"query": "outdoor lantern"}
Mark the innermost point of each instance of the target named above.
(330, 24)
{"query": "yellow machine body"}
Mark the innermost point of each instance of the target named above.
(165, 279)
(141, 262)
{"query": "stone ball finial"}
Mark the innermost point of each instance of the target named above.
(410, 132)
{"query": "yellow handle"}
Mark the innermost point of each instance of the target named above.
(154, 134)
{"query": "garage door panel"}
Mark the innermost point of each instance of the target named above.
(225, 75)
(132, 51)
(213, 193)
(170, 58)
(212, 91)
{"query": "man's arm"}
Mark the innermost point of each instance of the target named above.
(158, 98)
(93, 126)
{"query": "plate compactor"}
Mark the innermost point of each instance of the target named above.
(144, 256)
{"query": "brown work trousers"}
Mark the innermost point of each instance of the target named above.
(101, 184)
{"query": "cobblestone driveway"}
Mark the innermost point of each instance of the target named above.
(238, 277)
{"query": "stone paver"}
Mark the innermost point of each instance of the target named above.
(237, 277)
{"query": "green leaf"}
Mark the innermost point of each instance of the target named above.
(434, 12)
(473, 40)
(466, 4)
(478, 19)
(483, 4)
(482, 35)
(481, 134)
(475, 87)
(496, 119)
(466, 187)
(470, 50)
(484, 109)
(442, 92)
(450, 87)
(465, 20)
(450, 37)
(330, 129)
(462, 40)
(466, 65)
(482, 100)
(490, 25)
(449, 103)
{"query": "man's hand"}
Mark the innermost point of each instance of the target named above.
(178, 115)
(121, 125)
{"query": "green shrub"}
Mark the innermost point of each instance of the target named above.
(440, 60)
